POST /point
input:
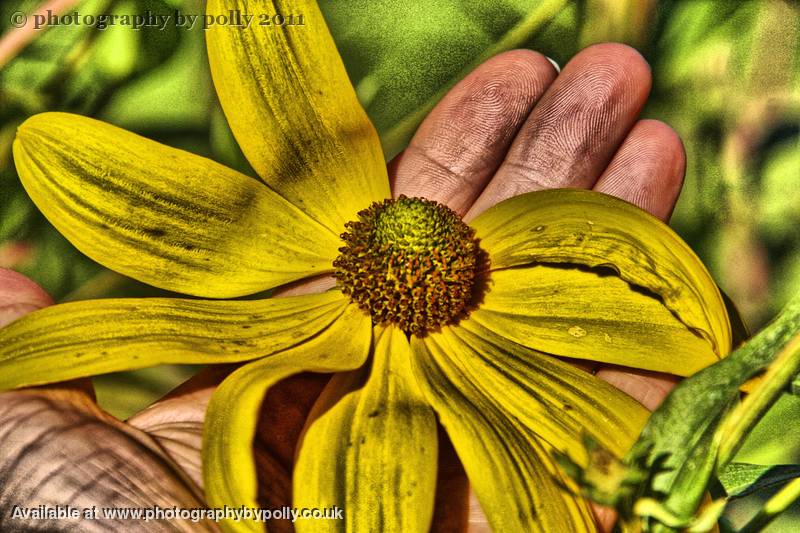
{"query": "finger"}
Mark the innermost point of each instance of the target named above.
(576, 127)
(648, 169)
(19, 296)
(458, 147)
(176, 421)
(605, 517)
(648, 388)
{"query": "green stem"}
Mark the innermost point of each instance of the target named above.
(746, 415)
(774, 507)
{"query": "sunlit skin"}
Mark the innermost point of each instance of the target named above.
(513, 125)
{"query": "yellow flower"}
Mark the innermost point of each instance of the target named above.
(431, 319)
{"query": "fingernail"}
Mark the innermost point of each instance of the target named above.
(554, 63)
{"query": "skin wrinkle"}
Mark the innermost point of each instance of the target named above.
(55, 474)
(574, 130)
(35, 444)
(106, 472)
(491, 104)
(653, 158)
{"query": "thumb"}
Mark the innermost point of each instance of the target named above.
(19, 296)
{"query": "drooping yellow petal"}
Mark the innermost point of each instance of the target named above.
(373, 452)
(587, 315)
(229, 469)
(292, 109)
(164, 216)
(98, 336)
(553, 399)
(596, 230)
(510, 468)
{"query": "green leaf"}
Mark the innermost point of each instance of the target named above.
(741, 479)
(764, 394)
(775, 440)
(679, 437)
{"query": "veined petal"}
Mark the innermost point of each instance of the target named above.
(164, 216)
(587, 315)
(229, 469)
(551, 398)
(511, 471)
(292, 109)
(596, 230)
(99, 336)
(371, 451)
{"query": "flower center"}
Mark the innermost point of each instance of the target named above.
(409, 261)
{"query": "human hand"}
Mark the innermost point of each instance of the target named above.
(511, 126)
(514, 125)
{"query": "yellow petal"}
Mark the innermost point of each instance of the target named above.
(586, 315)
(553, 399)
(98, 336)
(164, 216)
(229, 469)
(510, 468)
(596, 230)
(292, 109)
(373, 452)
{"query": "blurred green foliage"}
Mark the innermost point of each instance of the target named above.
(726, 77)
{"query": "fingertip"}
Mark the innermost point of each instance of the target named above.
(671, 142)
(611, 73)
(463, 140)
(622, 57)
(539, 69)
(19, 296)
(669, 145)
(648, 169)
